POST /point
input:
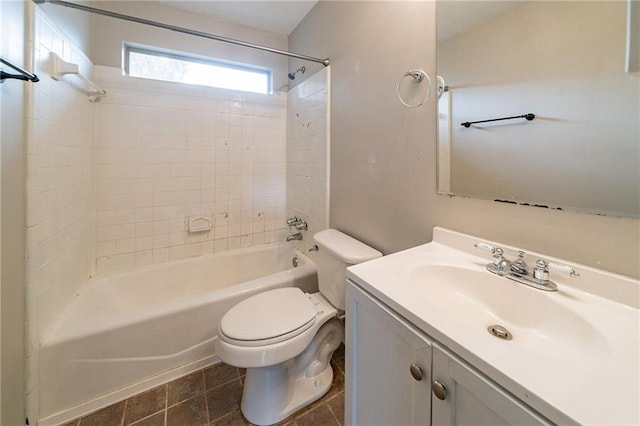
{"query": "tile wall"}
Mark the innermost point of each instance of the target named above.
(110, 183)
(308, 154)
(166, 151)
(60, 203)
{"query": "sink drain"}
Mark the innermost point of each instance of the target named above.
(500, 332)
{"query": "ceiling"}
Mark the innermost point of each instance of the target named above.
(282, 16)
(278, 16)
(457, 16)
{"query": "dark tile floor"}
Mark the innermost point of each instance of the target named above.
(212, 397)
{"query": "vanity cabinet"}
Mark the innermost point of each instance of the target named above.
(396, 375)
(388, 366)
(469, 398)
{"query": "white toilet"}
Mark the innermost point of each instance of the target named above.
(285, 338)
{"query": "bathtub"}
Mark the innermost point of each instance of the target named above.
(131, 331)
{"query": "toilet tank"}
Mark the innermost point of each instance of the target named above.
(336, 252)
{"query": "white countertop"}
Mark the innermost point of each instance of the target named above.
(586, 372)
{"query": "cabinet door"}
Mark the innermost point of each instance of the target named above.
(472, 399)
(380, 351)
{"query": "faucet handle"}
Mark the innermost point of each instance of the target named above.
(485, 246)
(500, 265)
(563, 269)
(498, 255)
(519, 266)
(292, 221)
(541, 271)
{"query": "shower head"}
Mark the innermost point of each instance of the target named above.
(292, 75)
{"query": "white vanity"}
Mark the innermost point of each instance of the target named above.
(421, 348)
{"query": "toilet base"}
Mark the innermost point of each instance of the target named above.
(261, 409)
(273, 393)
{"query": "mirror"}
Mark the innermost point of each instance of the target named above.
(563, 62)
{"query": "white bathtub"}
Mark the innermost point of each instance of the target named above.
(129, 332)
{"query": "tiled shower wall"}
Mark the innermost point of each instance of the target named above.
(167, 151)
(60, 204)
(308, 154)
(110, 183)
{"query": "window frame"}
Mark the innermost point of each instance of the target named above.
(127, 48)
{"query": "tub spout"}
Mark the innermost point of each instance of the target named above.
(296, 236)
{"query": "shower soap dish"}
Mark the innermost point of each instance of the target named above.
(197, 224)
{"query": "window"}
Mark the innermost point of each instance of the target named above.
(184, 68)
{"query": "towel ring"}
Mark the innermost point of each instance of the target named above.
(417, 76)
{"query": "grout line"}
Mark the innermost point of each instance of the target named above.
(206, 403)
(124, 411)
(143, 418)
(226, 383)
(331, 411)
(188, 399)
(239, 377)
(166, 403)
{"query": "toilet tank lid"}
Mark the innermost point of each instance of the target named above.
(344, 247)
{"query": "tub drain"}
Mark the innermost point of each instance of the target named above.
(500, 332)
(294, 261)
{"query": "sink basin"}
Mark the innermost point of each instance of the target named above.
(478, 299)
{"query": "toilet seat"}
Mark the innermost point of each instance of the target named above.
(262, 354)
(267, 318)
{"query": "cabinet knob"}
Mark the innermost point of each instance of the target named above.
(416, 372)
(439, 390)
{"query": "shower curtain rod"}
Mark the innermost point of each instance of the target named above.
(182, 30)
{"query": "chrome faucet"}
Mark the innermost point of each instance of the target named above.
(296, 236)
(519, 267)
(541, 271)
(300, 224)
(500, 265)
(518, 270)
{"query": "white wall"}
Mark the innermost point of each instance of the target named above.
(74, 24)
(308, 155)
(110, 33)
(166, 151)
(383, 167)
(382, 154)
(12, 113)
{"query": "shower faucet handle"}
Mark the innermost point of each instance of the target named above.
(292, 221)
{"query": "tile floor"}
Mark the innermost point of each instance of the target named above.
(212, 397)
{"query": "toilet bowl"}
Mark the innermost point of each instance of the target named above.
(285, 337)
(286, 356)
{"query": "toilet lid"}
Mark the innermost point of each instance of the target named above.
(283, 312)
